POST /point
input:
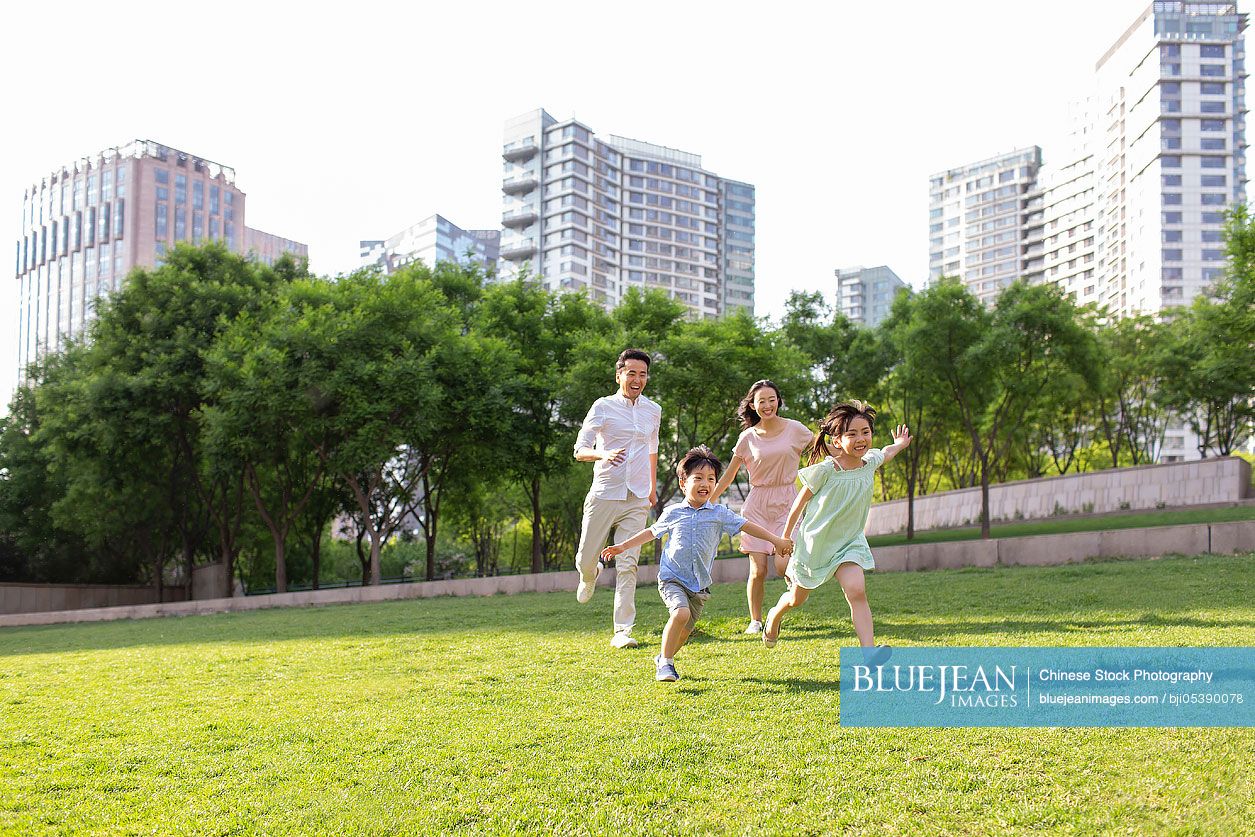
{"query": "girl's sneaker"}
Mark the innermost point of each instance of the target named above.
(877, 655)
(770, 641)
(665, 672)
(755, 627)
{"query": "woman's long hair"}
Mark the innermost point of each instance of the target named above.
(746, 412)
(834, 424)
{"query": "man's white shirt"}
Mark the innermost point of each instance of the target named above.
(616, 422)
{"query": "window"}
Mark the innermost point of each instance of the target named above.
(161, 175)
(1213, 88)
(198, 195)
(1170, 161)
(1211, 51)
(163, 226)
(1213, 107)
(1212, 236)
(213, 200)
(1172, 199)
(1172, 217)
(1171, 143)
(198, 226)
(1173, 255)
(1170, 88)
(1170, 51)
(1212, 162)
(1212, 218)
(1213, 181)
(163, 193)
(1171, 236)
(1211, 70)
(119, 213)
(1171, 180)
(1213, 255)
(1213, 143)
(1213, 200)
(180, 188)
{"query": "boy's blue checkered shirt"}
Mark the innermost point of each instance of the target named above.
(693, 539)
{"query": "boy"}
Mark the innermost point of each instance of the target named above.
(695, 527)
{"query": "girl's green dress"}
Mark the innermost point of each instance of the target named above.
(831, 531)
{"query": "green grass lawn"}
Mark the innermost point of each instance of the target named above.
(514, 714)
(1095, 523)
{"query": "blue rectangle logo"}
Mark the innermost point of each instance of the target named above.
(1050, 687)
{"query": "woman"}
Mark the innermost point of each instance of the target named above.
(770, 448)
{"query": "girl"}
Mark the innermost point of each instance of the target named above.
(770, 447)
(831, 540)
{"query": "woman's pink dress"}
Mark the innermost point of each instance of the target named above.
(772, 463)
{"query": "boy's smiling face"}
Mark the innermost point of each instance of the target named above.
(699, 484)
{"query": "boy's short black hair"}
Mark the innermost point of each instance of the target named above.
(696, 458)
(631, 354)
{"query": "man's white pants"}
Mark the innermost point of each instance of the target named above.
(625, 518)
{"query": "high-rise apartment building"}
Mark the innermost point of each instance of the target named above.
(431, 240)
(865, 294)
(610, 214)
(983, 219)
(1169, 153)
(85, 225)
(1132, 216)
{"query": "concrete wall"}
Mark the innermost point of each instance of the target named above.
(1219, 480)
(1221, 538)
(32, 598)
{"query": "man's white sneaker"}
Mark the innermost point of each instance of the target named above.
(623, 640)
(586, 589)
(755, 627)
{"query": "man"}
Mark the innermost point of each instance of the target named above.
(619, 435)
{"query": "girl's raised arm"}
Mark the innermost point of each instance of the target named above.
(901, 439)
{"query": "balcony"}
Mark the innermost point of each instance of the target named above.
(514, 251)
(518, 218)
(519, 183)
(519, 149)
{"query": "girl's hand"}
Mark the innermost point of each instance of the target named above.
(784, 546)
(611, 551)
(901, 436)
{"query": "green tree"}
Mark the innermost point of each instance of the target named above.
(544, 331)
(1210, 376)
(995, 362)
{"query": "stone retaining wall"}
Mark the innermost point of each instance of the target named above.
(1205, 482)
(1221, 538)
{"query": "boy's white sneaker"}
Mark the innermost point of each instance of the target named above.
(585, 590)
(623, 639)
(755, 627)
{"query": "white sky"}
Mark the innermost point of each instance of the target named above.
(355, 123)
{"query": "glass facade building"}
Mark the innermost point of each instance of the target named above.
(88, 223)
(433, 239)
(865, 294)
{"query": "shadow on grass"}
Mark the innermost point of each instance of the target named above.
(950, 604)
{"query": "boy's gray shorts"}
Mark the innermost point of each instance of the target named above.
(675, 596)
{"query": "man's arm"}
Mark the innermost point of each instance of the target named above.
(586, 449)
(643, 536)
(901, 440)
(653, 479)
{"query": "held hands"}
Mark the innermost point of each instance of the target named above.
(783, 546)
(611, 551)
(901, 436)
